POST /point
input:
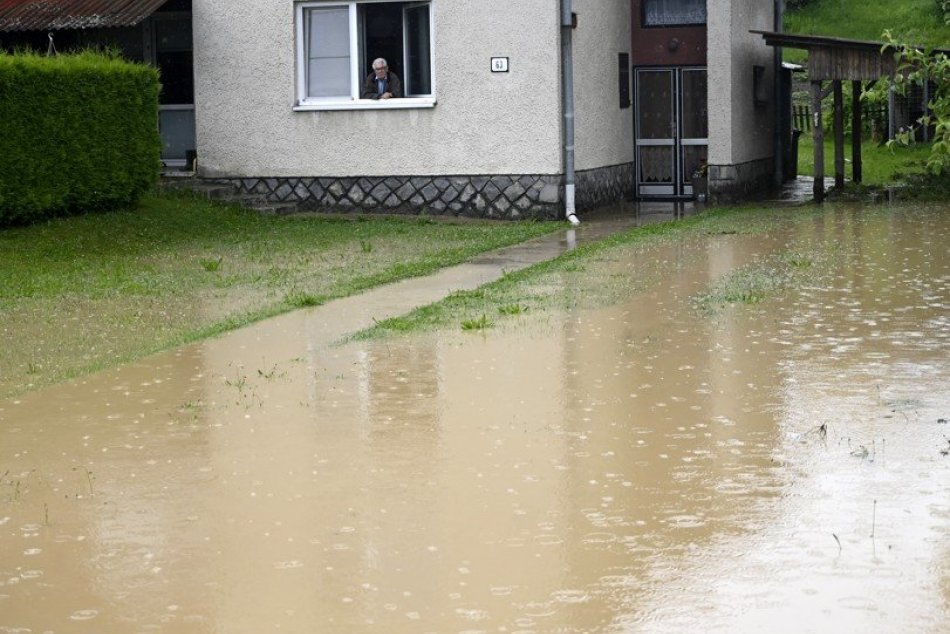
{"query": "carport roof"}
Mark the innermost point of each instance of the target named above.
(43, 15)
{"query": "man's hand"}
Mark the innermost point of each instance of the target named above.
(386, 95)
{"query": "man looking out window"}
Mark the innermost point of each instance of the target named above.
(381, 84)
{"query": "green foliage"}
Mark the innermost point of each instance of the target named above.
(918, 66)
(78, 133)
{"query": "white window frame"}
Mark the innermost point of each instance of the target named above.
(353, 102)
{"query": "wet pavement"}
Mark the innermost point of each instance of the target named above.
(644, 467)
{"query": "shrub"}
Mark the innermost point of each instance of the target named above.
(78, 133)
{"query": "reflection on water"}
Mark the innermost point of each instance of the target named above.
(773, 467)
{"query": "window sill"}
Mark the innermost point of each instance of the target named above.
(367, 104)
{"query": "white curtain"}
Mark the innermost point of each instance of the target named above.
(328, 52)
(668, 12)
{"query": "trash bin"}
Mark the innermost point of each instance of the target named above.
(791, 157)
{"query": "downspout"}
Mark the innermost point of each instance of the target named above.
(778, 142)
(567, 106)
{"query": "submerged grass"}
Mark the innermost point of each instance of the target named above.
(84, 293)
(594, 274)
(759, 281)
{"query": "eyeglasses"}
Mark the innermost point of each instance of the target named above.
(380, 67)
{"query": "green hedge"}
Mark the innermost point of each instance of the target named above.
(78, 133)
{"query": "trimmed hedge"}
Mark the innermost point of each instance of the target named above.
(78, 133)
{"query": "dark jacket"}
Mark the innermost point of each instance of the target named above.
(393, 86)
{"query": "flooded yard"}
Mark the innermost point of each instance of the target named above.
(649, 466)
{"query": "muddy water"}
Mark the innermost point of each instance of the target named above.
(638, 468)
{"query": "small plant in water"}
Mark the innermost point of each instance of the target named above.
(480, 323)
(302, 300)
(512, 309)
(273, 373)
(211, 265)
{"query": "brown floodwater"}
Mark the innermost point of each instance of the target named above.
(647, 467)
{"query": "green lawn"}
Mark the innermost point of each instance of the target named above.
(84, 293)
(881, 165)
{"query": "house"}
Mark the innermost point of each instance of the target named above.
(511, 109)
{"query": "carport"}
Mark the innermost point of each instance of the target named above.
(836, 60)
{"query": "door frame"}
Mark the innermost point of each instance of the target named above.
(679, 187)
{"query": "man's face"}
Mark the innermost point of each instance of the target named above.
(380, 70)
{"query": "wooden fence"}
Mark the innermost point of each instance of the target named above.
(801, 116)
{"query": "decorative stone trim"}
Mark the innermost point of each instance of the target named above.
(604, 185)
(733, 183)
(535, 196)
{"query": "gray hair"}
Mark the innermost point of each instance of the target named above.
(380, 60)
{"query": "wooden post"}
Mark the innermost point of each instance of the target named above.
(818, 135)
(839, 135)
(856, 130)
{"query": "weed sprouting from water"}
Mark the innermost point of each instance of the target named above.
(479, 323)
(798, 260)
(239, 383)
(512, 309)
(873, 519)
(273, 373)
(89, 478)
(302, 300)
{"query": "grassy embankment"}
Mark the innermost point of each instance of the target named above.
(913, 21)
(84, 293)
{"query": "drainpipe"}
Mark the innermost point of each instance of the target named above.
(567, 106)
(778, 142)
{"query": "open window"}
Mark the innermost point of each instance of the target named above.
(338, 41)
(674, 12)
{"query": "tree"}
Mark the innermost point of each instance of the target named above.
(916, 66)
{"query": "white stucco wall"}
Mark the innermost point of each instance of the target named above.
(603, 131)
(483, 123)
(739, 131)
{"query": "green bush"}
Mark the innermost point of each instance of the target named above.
(78, 133)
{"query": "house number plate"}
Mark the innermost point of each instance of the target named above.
(499, 64)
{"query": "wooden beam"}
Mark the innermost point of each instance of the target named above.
(839, 135)
(856, 129)
(818, 136)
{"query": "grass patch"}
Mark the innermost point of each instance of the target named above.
(881, 165)
(84, 293)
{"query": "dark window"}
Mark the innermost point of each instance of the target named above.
(624, 59)
(673, 12)
(759, 89)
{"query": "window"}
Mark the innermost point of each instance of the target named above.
(338, 41)
(624, 63)
(673, 12)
